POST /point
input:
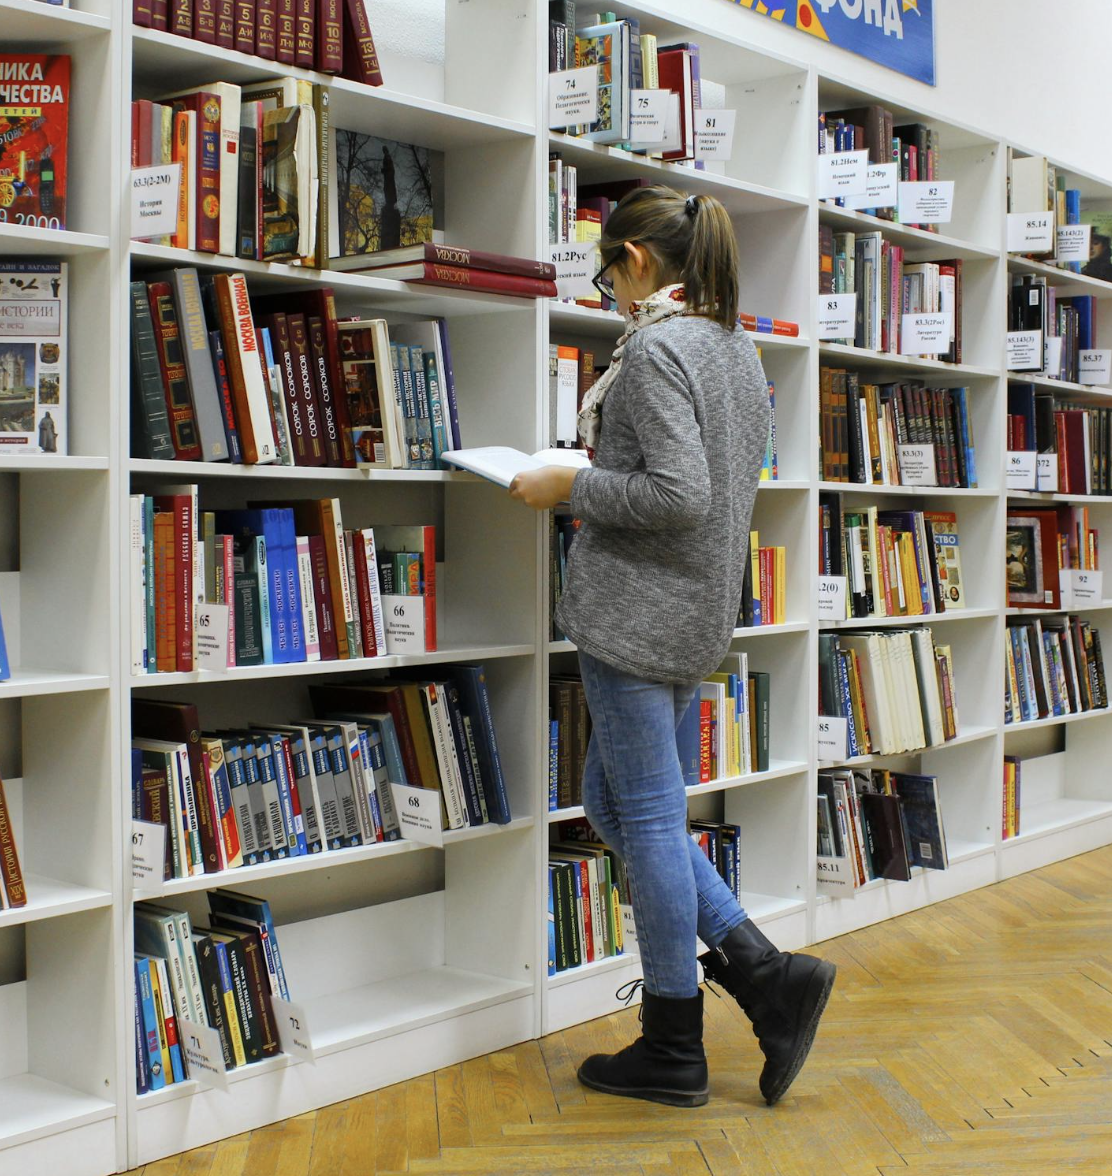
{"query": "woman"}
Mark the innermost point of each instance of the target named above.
(678, 426)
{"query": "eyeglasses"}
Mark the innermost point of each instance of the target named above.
(605, 286)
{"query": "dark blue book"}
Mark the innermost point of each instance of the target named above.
(5, 668)
(687, 743)
(475, 701)
(919, 803)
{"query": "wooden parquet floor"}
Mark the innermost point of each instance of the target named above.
(968, 1039)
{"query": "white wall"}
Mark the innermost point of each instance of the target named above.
(987, 55)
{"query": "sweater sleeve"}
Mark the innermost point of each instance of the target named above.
(673, 490)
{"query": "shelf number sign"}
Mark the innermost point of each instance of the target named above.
(211, 628)
(154, 200)
(648, 117)
(204, 1056)
(832, 598)
(148, 852)
(419, 814)
(293, 1029)
(576, 264)
(1095, 367)
(836, 315)
(833, 738)
(714, 134)
(926, 201)
(573, 96)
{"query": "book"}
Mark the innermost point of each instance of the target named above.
(34, 149)
(440, 254)
(501, 464)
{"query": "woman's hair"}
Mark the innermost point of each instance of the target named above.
(691, 239)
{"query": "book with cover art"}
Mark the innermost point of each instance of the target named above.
(385, 194)
(33, 354)
(943, 526)
(34, 130)
(369, 389)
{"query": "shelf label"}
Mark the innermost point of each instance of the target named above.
(204, 1059)
(1024, 351)
(917, 465)
(573, 96)
(1052, 355)
(629, 928)
(1030, 232)
(1081, 589)
(1046, 472)
(154, 200)
(576, 264)
(926, 334)
(648, 116)
(418, 812)
(836, 315)
(148, 853)
(882, 184)
(714, 133)
(833, 737)
(404, 618)
(1019, 470)
(1094, 367)
(832, 598)
(293, 1029)
(1073, 243)
(925, 202)
(211, 628)
(842, 173)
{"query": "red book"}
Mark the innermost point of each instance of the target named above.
(704, 740)
(360, 58)
(141, 13)
(304, 29)
(285, 33)
(160, 14)
(175, 384)
(244, 31)
(326, 628)
(266, 29)
(291, 776)
(456, 255)
(676, 73)
(165, 645)
(225, 24)
(304, 389)
(363, 586)
(34, 133)
(429, 273)
(181, 17)
(329, 37)
(141, 128)
(327, 419)
(1072, 456)
(204, 21)
(283, 354)
(180, 508)
(207, 107)
(9, 859)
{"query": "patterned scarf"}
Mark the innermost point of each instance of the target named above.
(664, 303)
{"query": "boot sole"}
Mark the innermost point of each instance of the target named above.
(671, 1098)
(818, 991)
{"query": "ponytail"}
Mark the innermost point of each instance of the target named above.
(691, 239)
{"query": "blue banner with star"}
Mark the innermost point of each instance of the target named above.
(898, 34)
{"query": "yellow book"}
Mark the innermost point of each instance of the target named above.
(733, 743)
(161, 1001)
(649, 72)
(755, 566)
(909, 570)
(780, 576)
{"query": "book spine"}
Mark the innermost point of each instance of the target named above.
(285, 35)
(244, 26)
(148, 397)
(208, 172)
(489, 281)
(360, 57)
(181, 18)
(323, 600)
(304, 22)
(225, 23)
(241, 350)
(204, 21)
(198, 363)
(329, 37)
(326, 421)
(266, 36)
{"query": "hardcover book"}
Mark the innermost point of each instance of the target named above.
(34, 131)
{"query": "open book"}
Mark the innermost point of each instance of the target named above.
(501, 464)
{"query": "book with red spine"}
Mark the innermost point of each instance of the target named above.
(207, 186)
(284, 356)
(160, 14)
(11, 876)
(285, 31)
(245, 370)
(305, 390)
(304, 34)
(704, 740)
(165, 636)
(329, 36)
(180, 508)
(141, 13)
(225, 24)
(361, 62)
(244, 32)
(454, 255)
(266, 29)
(326, 624)
(204, 21)
(181, 153)
(371, 644)
(181, 18)
(175, 384)
(428, 273)
(324, 391)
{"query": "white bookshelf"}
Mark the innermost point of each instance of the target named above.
(408, 958)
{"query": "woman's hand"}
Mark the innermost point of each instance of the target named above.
(544, 488)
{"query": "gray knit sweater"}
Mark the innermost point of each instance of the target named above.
(655, 571)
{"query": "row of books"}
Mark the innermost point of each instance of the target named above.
(587, 887)
(764, 588)
(1068, 325)
(13, 889)
(299, 586)
(874, 823)
(896, 689)
(330, 36)
(571, 372)
(1054, 666)
(721, 843)
(1036, 185)
(1078, 436)
(864, 429)
(887, 288)
(224, 976)
(217, 376)
(1042, 545)
(896, 563)
(1010, 815)
(913, 146)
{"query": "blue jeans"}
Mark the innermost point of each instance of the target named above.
(634, 796)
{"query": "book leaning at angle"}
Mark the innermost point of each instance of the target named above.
(501, 464)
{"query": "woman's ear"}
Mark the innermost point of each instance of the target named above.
(639, 260)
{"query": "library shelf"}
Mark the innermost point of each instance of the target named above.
(1068, 284)
(48, 26)
(918, 244)
(925, 491)
(32, 241)
(594, 968)
(48, 898)
(1054, 612)
(1065, 386)
(387, 661)
(1057, 720)
(50, 463)
(748, 631)
(264, 871)
(190, 470)
(1053, 496)
(1056, 816)
(951, 614)
(30, 683)
(969, 733)
(32, 1108)
(934, 370)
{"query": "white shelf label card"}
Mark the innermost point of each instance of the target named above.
(924, 202)
(211, 627)
(576, 264)
(833, 737)
(714, 133)
(917, 465)
(1073, 243)
(1046, 472)
(204, 1058)
(1094, 367)
(1030, 232)
(843, 173)
(404, 617)
(1019, 470)
(882, 183)
(419, 814)
(1024, 351)
(154, 199)
(573, 96)
(925, 334)
(1052, 354)
(836, 315)
(629, 928)
(293, 1029)
(832, 598)
(648, 116)
(1081, 589)
(148, 853)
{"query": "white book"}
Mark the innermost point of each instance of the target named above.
(913, 709)
(501, 464)
(308, 600)
(375, 591)
(450, 785)
(345, 585)
(243, 359)
(138, 584)
(927, 675)
(190, 200)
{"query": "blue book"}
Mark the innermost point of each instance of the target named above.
(687, 743)
(5, 667)
(1073, 217)
(368, 762)
(392, 749)
(553, 766)
(471, 785)
(255, 911)
(475, 700)
(959, 396)
(144, 996)
(148, 586)
(448, 383)
(551, 922)
(293, 820)
(136, 783)
(273, 816)
(847, 703)
(274, 602)
(437, 408)
(167, 1010)
(384, 798)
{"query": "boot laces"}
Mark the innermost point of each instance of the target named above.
(627, 992)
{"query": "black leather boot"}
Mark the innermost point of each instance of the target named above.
(782, 993)
(666, 1064)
